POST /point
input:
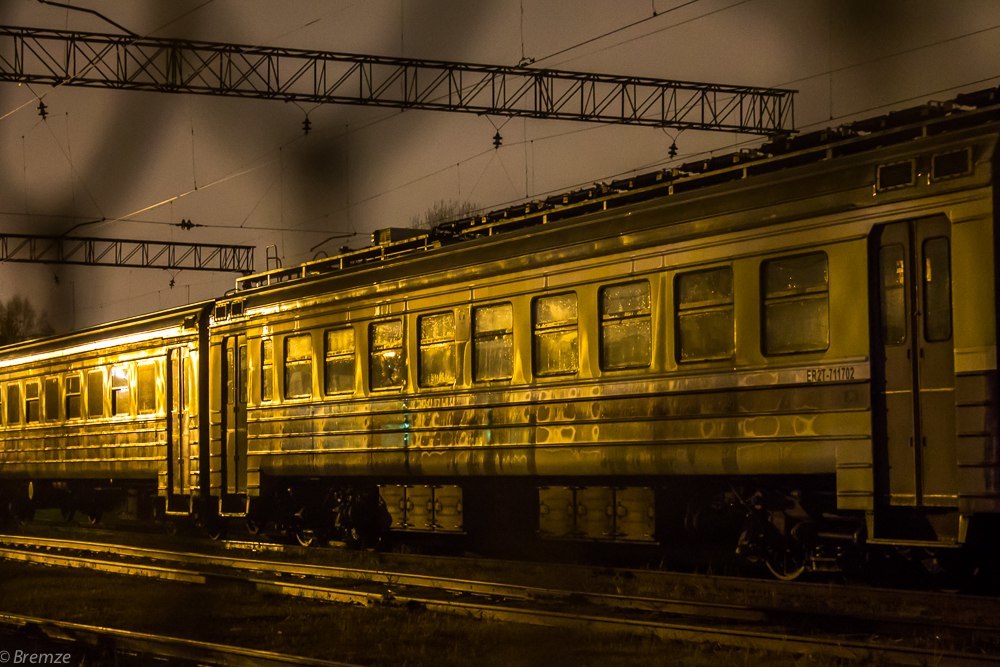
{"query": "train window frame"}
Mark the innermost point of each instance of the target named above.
(485, 338)
(622, 321)
(32, 402)
(771, 301)
(95, 398)
(297, 370)
(145, 397)
(554, 329)
(266, 370)
(890, 176)
(381, 351)
(73, 398)
(122, 393)
(50, 399)
(332, 357)
(702, 309)
(431, 344)
(944, 166)
(13, 391)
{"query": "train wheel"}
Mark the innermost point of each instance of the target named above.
(20, 513)
(253, 526)
(215, 529)
(786, 565)
(305, 536)
(786, 556)
(94, 517)
(67, 514)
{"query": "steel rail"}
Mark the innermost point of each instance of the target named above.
(776, 642)
(163, 646)
(382, 577)
(111, 567)
(784, 640)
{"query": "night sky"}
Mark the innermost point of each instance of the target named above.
(244, 170)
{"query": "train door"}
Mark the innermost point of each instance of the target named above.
(913, 364)
(234, 398)
(178, 438)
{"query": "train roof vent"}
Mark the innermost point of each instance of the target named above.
(895, 175)
(951, 164)
(395, 234)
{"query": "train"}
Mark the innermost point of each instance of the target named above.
(790, 348)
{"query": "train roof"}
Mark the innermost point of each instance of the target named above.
(187, 316)
(897, 127)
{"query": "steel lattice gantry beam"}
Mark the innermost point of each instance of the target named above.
(58, 57)
(116, 252)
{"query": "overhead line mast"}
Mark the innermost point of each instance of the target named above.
(99, 60)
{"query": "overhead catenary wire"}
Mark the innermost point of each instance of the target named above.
(196, 187)
(615, 31)
(590, 40)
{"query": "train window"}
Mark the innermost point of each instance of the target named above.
(31, 407)
(266, 369)
(437, 350)
(95, 393)
(230, 375)
(796, 304)
(493, 342)
(298, 366)
(51, 399)
(556, 336)
(244, 370)
(626, 330)
(145, 388)
(13, 404)
(387, 362)
(951, 164)
(937, 289)
(73, 403)
(121, 391)
(892, 269)
(704, 323)
(338, 372)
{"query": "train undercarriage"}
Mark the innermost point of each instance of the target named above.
(723, 524)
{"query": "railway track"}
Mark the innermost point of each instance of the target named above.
(763, 627)
(103, 645)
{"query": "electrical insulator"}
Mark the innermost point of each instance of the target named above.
(43, 110)
(306, 125)
(497, 140)
(672, 151)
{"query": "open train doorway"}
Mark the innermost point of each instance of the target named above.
(913, 371)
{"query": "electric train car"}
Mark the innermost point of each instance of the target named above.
(792, 348)
(95, 416)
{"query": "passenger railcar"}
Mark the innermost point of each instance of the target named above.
(97, 414)
(794, 347)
